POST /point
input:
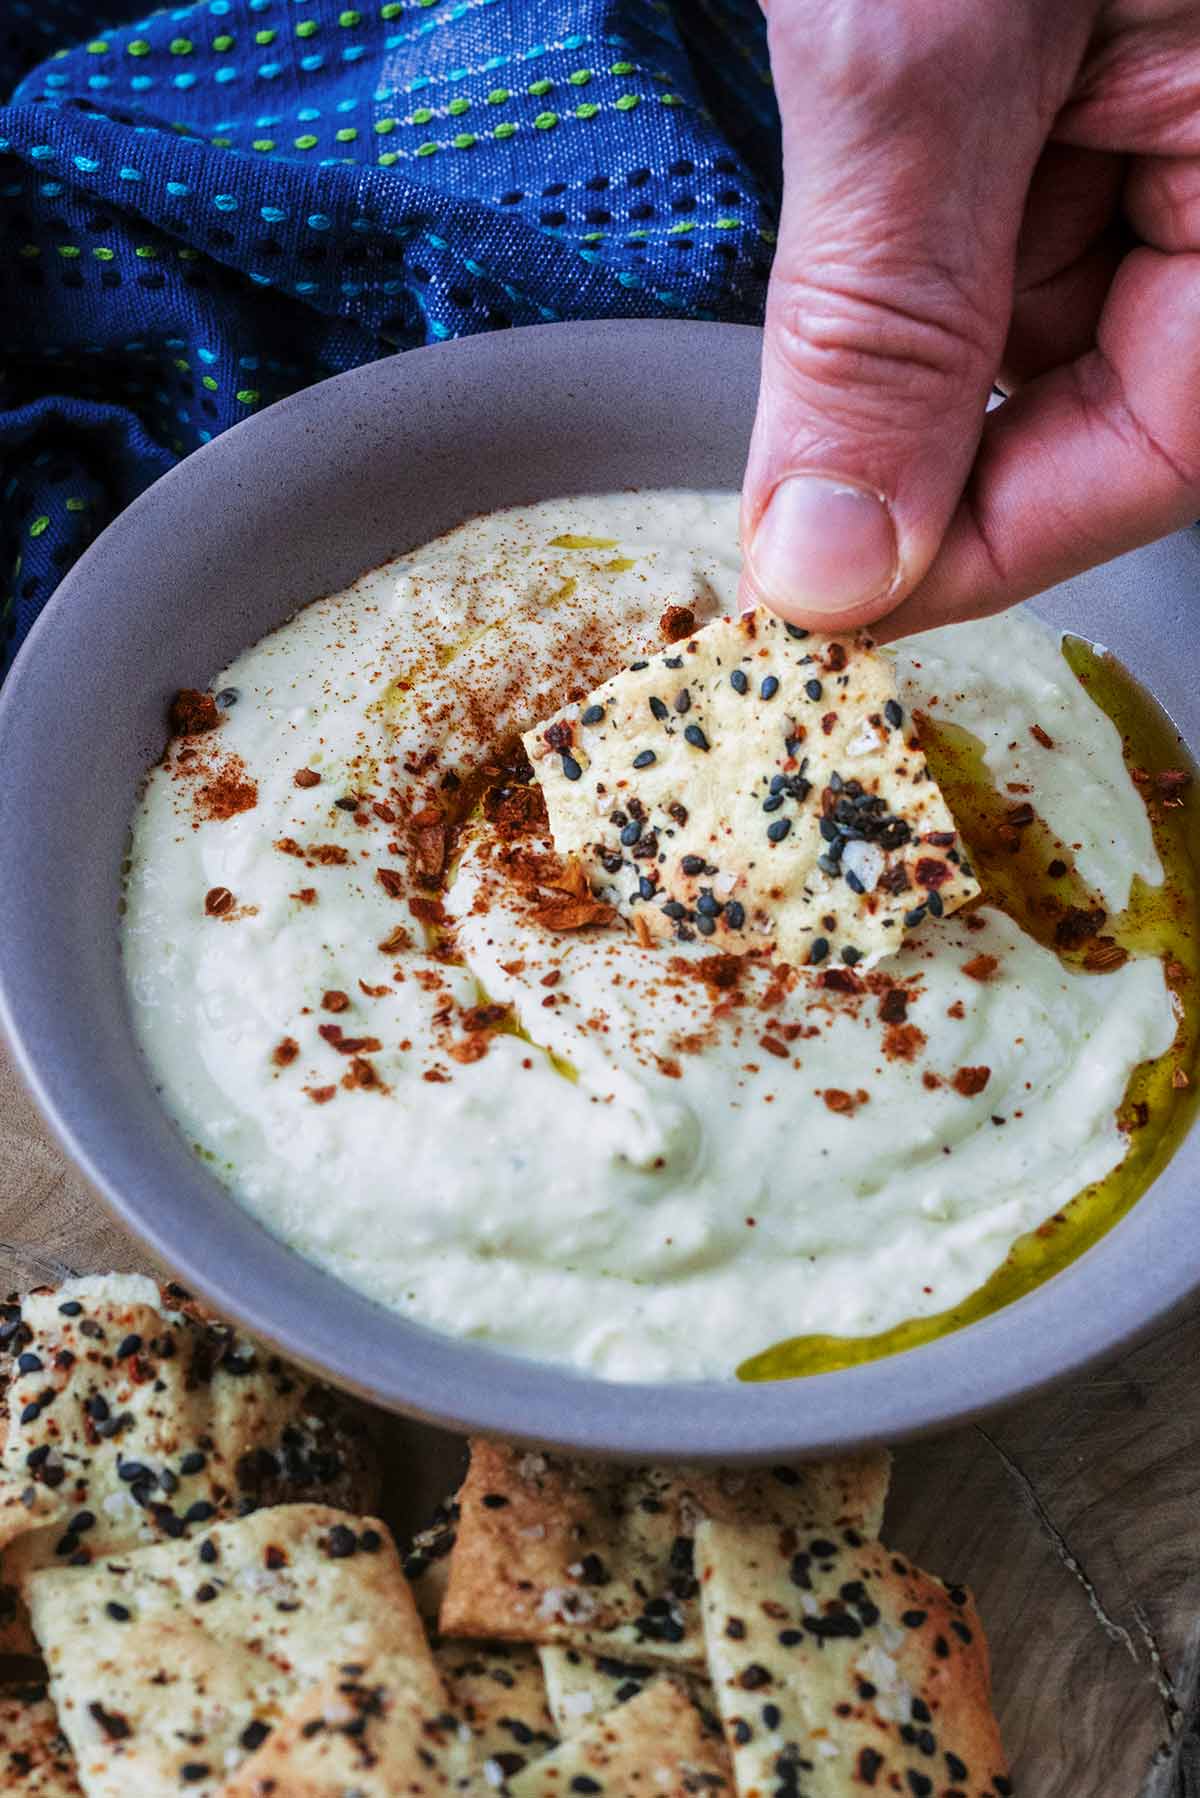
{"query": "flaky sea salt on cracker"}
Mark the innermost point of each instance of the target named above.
(758, 785)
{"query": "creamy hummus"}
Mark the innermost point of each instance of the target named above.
(349, 970)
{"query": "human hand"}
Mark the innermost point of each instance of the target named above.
(975, 193)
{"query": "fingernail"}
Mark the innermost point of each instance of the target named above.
(823, 546)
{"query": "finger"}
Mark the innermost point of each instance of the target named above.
(1071, 245)
(889, 299)
(1084, 463)
(1162, 201)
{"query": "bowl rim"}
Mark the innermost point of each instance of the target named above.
(1129, 1283)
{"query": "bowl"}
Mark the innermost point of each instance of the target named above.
(295, 503)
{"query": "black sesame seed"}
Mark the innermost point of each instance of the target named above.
(570, 767)
(914, 917)
(708, 907)
(200, 1512)
(742, 1732)
(772, 1716)
(673, 909)
(692, 864)
(659, 708)
(583, 1782)
(205, 1593)
(28, 1363)
(777, 831)
(194, 1771)
(735, 914)
(770, 687)
(919, 1785)
(828, 863)
(814, 689)
(828, 829)
(82, 1522)
(753, 1676)
(789, 1637)
(794, 631)
(913, 1619)
(695, 736)
(228, 696)
(631, 833)
(646, 888)
(130, 1345)
(208, 1553)
(97, 1408)
(193, 1462)
(254, 1735)
(370, 1542)
(683, 701)
(850, 955)
(818, 949)
(934, 902)
(955, 1768)
(53, 1476)
(636, 667)
(342, 1542)
(132, 1471)
(894, 713)
(644, 760)
(38, 1456)
(773, 803)
(738, 681)
(593, 715)
(705, 926)
(31, 1413)
(117, 1612)
(70, 1308)
(853, 882)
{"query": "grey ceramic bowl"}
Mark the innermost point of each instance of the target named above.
(293, 504)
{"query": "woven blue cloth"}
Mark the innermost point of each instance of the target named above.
(204, 209)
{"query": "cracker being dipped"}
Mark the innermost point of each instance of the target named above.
(659, 1743)
(759, 786)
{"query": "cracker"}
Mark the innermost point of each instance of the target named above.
(24, 1506)
(35, 1757)
(600, 1557)
(498, 1689)
(581, 1687)
(370, 1729)
(838, 1666)
(427, 1560)
(162, 1659)
(146, 1421)
(760, 786)
(656, 1744)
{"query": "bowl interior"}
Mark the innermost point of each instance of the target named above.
(293, 504)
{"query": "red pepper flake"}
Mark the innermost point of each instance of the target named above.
(289, 846)
(348, 1045)
(981, 967)
(1180, 1080)
(828, 722)
(566, 913)
(552, 978)
(931, 1081)
(361, 1076)
(306, 895)
(773, 1046)
(1172, 783)
(969, 1081)
(903, 1042)
(667, 1065)
(285, 1052)
(846, 1104)
(329, 855)
(956, 1010)
(218, 901)
(436, 1077)
(321, 1095)
(841, 980)
(835, 657)
(193, 712)
(893, 1007)
(428, 911)
(932, 873)
(1041, 736)
(392, 882)
(560, 734)
(677, 622)
(397, 940)
(1077, 926)
(374, 992)
(334, 1000)
(306, 777)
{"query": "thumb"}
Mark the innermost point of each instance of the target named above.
(910, 135)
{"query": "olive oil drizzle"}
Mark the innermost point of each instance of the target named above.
(1164, 921)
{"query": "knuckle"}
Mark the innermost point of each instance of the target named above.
(851, 345)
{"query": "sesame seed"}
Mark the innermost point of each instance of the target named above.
(894, 713)
(672, 661)
(254, 1735)
(705, 925)
(70, 1308)
(683, 701)
(794, 631)
(29, 1364)
(692, 864)
(850, 955)
(695, 736)
(914, 917)
(130, 1345)
(773, 803)
(708, 907)
(644, 760)
(570, 767)
(117, 1612)
(769, 687)
(735, 914)
(193, 1462)
(818, 949)
(738, 681)
(852, 881)
(636, 667)
(935, 905)
(593, 715)
(777, 831)
(814, 689)
(659, 708)
(631, 833)
(646, 888)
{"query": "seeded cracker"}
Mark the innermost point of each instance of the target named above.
(145, 1421)
(551, 1550)
(657, 1744)
(498, 1690)
(35, 1757)
(838, 1667)
(168, 1664)
(757, 785)
(371, 1729)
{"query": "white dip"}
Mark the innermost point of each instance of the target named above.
(645, 1173)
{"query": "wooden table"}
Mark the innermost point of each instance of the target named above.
(1076, 1518)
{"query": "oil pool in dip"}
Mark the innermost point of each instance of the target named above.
(371, 997)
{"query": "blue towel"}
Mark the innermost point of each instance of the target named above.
(210, 207)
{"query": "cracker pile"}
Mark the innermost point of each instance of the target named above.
(218, 1613)
(758, 785)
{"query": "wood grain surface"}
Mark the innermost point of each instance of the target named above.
(1075, 1518)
